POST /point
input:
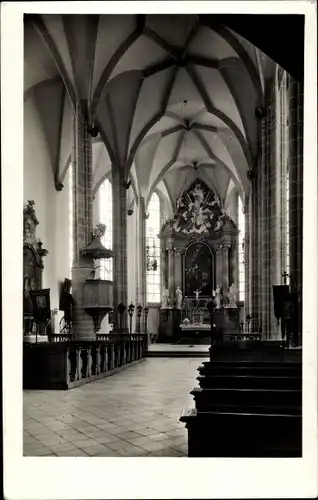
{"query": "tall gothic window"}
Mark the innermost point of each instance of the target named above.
(106, 217)
(71, 244)
(153, 250)
(241, 266)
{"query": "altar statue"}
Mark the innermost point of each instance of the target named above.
(232, 296)
(218, 297)
(179, 298)
(165, 298)
(196, 293)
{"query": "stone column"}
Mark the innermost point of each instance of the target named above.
(142, 284)
(120, 294)
(82, 325)
(295, 165)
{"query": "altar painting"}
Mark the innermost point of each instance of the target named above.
(198, 270)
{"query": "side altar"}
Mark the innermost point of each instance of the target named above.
(199, 259)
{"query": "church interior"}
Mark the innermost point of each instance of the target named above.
(162, 228)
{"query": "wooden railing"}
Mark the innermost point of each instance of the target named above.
(63, 364)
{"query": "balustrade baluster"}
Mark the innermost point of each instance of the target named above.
(89, 361)
(97, 360)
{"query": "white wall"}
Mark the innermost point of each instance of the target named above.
(51, 206)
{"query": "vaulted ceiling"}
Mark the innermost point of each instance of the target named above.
(172, 96)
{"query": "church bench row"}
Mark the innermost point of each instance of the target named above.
(206, 397)
(256, 369)
(250, 381)
(235, 434)
(253, 351)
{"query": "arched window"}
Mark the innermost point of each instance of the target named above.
(71, 244)
(153, 250)
(106, 217)
(241, 238)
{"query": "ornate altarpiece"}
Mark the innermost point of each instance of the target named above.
(33, 265)
(198, 246)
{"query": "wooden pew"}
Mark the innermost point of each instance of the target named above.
(249, 402)
(250, 381)
(208, 398)
(235, 434)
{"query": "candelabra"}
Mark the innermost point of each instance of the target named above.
(139, 311)
(121, 309)
(131, 310)
(248, 320)
(146, 312)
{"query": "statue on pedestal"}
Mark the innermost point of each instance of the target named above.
(179, 298)
(218, 297)
(165, 298)
(232, 296)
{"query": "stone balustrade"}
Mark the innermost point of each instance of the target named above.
(64, 364)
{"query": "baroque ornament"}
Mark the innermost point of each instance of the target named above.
(198, 211)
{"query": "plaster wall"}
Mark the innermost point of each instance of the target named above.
(51, 206)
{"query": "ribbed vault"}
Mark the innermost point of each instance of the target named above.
(172, 97)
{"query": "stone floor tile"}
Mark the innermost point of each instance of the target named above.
(159, 437)
(107, 453)
(156, 445)
(168, 452)
(84, 443)
(128, 435)
(72, 453)
(50, 440)
(37, 452)
(115, 430)
(117, 445)
(93, 450)
(182, 448)
(177, 432)
(57, 448)
(140, 441)
(70, 434)
(105, 438)
(132, 451)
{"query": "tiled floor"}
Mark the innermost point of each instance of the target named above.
(132, 413)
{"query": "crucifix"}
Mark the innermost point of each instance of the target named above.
(285, 276)
(196, 293)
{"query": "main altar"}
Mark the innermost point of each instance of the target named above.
(199, 260)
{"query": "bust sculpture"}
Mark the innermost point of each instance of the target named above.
(179, 298)
(232, 296)
(165, 298)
